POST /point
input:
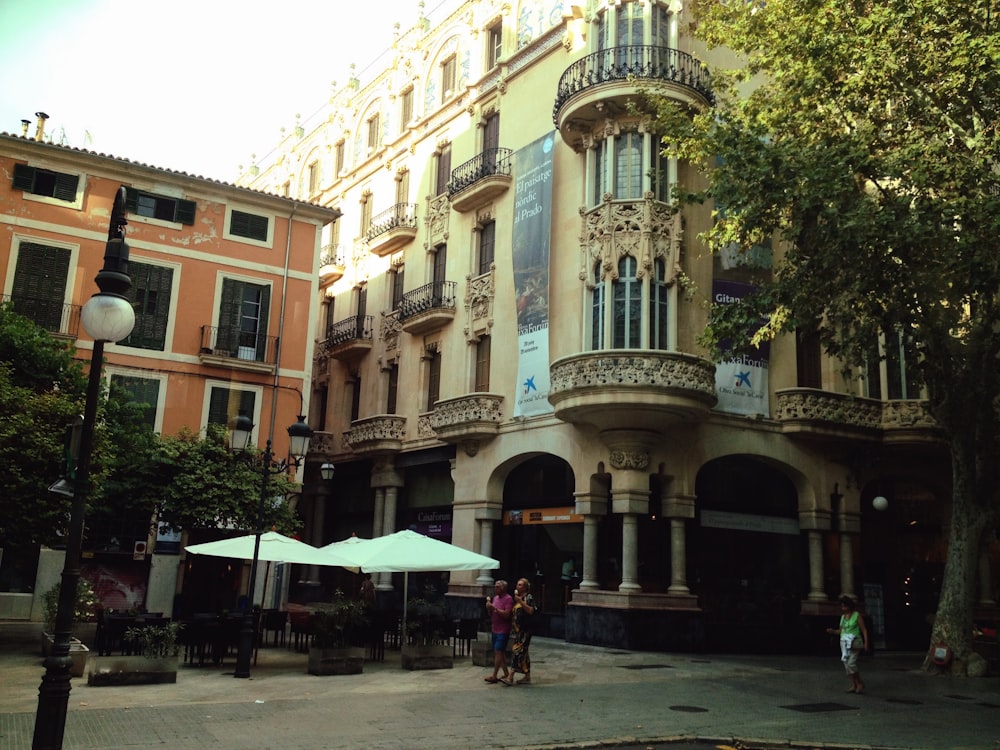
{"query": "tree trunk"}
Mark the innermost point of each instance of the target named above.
(953, 621)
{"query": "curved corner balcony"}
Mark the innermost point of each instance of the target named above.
(604, 81)
(623, 389)
(379, 435)
(332, 264)
(467, 420)
(391, 229)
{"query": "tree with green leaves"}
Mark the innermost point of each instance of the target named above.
(862, 136)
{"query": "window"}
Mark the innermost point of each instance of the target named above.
(659, 176)
(405, 108)
(366, 213)
(487, 243)
(286, 189)
(159, 206)
(243, 317)
(150, 298)
(658, 306)
(392, 389)
(433, 378)
(145, 392)
(808, 359)
(494, 44)
(440, 266)
(403, 187)
(482, 380)
(39, 286)
(373, 132)
(251, 226)
(597, 310)
(356, 398)
(491, 132)
(46, 183)
(225, 404)
(442, 174)
(397, 287)
(899, 352)
(338, 158)
(627, 310)
(448, 70)
(313, 176)
(628, 166)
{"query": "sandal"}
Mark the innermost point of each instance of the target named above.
(525, 681)
(491, 680)
(506, 681)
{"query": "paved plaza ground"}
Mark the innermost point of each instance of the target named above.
(581, 696)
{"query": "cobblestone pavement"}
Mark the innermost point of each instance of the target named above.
(580, 696)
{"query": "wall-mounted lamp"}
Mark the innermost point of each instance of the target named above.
(326, 471)
(880, 502)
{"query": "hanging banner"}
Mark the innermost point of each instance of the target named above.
(530, 253)
(741, 382)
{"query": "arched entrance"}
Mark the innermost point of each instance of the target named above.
(747, 557)
(540, 534)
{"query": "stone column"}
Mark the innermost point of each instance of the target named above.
(849, 524)
(386, 481)
(630, 553)
(592, 506)
(485, 548)
(678, 509)
(816, 593)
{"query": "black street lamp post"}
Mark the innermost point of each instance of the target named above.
(107, 316)
(299, 435)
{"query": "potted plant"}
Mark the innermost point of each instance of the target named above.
(338, 630)
(155, 661)
(429, 630)
(84, 610)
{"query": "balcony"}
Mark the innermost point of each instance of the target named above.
(54, 316)
(813, 413)
(392, 228)
(428, 308)
(332, 263)
(632, 389)
(348, 339)
(467, 420)
(379, 435)
(612, 77)
(480, 180)
(228, 346)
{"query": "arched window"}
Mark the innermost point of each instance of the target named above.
(628, 166)
(658, 306)
(627, 306)
(597, 311)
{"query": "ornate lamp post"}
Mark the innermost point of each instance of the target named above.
(299, 435)
(107, 316)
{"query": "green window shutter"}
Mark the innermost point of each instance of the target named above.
(265, 305)
(142, 391)
(185, 212)
(65, 189)
(226, 403)
(40, 284)
(131, 199)
(247, 225)
(227, 335)
(24, 177)
(150, 297)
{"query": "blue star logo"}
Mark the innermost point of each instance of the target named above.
(743, 378)
(529, 385)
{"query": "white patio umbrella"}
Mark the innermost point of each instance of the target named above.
(406, 552)
(274, 547)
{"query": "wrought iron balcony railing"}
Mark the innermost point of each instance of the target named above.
(232, 343)
(52, 315)
(354, 328)
(437, 294)
(492, 161)
(399, 215)
(332, 255)
(638, 62)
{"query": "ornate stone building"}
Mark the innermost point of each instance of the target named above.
(507, 354)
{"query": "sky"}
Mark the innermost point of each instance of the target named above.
(193, 86)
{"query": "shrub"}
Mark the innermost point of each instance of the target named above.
(86, 604)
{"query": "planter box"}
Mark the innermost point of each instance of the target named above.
(78, 653)
(327, 661)
(427, 657)
(482, 654)
(131, 670)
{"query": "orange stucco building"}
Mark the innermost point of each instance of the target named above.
(224, 287)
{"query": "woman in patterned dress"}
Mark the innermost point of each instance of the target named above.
(520, 633)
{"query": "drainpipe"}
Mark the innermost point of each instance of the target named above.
(281, 323)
